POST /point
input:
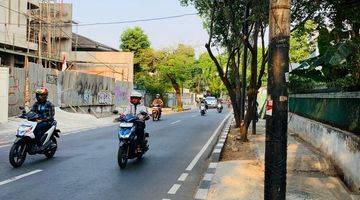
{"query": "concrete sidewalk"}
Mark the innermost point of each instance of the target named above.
(67, 122)
(310, 176)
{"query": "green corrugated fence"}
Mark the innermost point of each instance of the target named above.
(341, 110)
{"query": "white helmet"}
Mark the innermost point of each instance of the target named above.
(136, 94)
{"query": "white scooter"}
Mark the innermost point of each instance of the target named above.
(25, 142)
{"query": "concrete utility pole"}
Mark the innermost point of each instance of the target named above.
(277, 100)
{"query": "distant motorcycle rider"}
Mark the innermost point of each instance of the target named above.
(141, 112)
(45, 110)
(158, 102)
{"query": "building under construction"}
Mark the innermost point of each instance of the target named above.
(35, 31)
(40, 31)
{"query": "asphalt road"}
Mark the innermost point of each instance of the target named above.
(85, 165)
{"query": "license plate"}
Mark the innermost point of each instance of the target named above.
(126, 125)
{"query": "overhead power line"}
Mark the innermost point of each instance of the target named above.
(138, 20)
(107, 23)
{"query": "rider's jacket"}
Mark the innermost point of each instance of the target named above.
(45, 110)
(135, 109)
(158, 102)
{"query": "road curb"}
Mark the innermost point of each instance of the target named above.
(205, 183)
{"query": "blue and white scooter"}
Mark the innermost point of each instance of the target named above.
(128, 141)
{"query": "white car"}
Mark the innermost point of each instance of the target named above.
(211, 102)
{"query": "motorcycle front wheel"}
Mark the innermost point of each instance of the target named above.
(122, 157)
(17, 154)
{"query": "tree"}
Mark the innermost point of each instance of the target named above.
(177, 67)
(208, 78)
(338, 26)
(224, 20)
(135, 40)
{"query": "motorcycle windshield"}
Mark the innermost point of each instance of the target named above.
(130, 118)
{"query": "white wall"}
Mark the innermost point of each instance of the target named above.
(342, 147)
(4, 94)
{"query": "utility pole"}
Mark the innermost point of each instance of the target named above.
(277, 100)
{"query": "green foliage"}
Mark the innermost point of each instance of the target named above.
(338, 26)
(177, 65)
(134, 40)
(301, 44)
(208, 78)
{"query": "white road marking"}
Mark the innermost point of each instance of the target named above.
(201, 152)
(201, 194)
(194, 116)
(5, 145)
(174, 189)
(213, 165)
(183, 177)
(19, 177)
(175, 122)
(208, 177)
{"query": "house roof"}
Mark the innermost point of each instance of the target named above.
(82, 43)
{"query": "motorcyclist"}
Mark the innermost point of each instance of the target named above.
(202, 100)
(45, 110)
(134, 108)
(159, 103)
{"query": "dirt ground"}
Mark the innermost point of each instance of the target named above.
(235, 149)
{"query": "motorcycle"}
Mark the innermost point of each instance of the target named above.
(219, 108)
(25, 142)
(128, 141)
(155, 114)
(202, 109)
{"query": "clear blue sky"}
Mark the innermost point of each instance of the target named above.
(165, 33)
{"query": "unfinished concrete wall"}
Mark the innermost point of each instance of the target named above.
(16, 90)
(38, 77)
(4, 94)
(122, 93)
(79, 89)
(342, 147)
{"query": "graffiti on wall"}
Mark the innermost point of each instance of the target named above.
(121, 93)
(16, 90)
(51, 79)
(104, 97)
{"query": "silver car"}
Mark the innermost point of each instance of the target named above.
(211, 102)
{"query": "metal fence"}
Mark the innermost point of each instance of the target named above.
(341, 110)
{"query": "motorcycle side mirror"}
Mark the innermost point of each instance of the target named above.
(143, 113)
(22, 108)
(115, 112)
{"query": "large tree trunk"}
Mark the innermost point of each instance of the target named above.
(179, 99)
(178, 92)
(253, 89)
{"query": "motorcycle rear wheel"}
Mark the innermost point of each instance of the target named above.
(122, 157)
(17, 154)
(50, 153)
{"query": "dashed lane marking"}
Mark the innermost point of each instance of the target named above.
(174, 189)
(202, 151)
(183, 177)
(175, 122)
(19, 177)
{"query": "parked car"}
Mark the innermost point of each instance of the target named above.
(211, 102)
